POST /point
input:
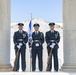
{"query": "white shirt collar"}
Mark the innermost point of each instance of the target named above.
(37, 32)
(52, 31)
(20, 31)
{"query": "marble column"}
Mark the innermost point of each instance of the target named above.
(69, 35)
(5, 35)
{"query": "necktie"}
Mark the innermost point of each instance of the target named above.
(20, 31)
(36, 32)
(52, 31)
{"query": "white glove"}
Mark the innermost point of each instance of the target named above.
(52, 46)
(19, 46)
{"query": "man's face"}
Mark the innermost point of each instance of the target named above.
(36, 28)
(20, 27)
(51, 27)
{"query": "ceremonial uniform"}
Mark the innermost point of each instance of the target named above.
(20, 36)
(53, 37)
(37, 49)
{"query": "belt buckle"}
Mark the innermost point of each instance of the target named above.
(51, 40)
(20, 40)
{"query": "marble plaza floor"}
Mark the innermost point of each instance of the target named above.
(37, 73)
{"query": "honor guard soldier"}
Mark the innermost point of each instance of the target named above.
(37, 48)
(20, 39)
(52, 39)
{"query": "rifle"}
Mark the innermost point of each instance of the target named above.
(16, 60)
(48, 62)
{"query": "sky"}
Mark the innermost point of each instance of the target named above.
(49, 10)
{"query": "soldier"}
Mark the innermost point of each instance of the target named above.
(20, 39)
(37, 48)
(52, 39)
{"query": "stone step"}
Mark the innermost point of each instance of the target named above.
(5, 68)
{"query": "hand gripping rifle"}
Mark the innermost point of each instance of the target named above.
(16, 58)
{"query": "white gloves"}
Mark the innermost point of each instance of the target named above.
(52, 46)
(19, 46)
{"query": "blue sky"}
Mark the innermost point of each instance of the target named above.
(50, 10)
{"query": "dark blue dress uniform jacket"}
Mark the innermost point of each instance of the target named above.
(39, 38)
(20, 38)
(55, 36)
